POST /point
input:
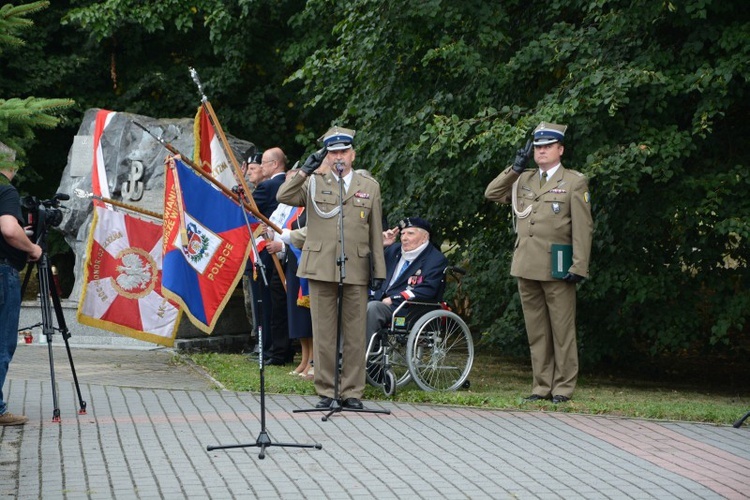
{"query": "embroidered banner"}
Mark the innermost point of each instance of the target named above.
(122, 276)
(206, 244)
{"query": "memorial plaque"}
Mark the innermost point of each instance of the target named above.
(81, 155)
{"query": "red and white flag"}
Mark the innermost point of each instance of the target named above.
(122, 273)
(122, 279)
(208, 153)
(99, 183)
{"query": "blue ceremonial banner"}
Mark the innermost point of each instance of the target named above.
(206, 244)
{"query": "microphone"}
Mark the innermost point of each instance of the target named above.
(339, 164)
(62, 196)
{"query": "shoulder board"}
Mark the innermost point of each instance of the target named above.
(366, 174)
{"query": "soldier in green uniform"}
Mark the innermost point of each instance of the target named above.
(551, 206)
(363, 246)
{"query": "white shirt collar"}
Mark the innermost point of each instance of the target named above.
(347, 179)
(551, 171)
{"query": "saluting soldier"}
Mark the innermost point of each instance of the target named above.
(363, 245)
(551, 206)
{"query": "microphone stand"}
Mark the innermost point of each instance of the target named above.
(264, 440)
(336, 405)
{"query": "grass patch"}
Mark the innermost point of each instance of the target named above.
(500, 383)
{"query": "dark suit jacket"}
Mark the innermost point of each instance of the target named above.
(420, 281)
(265, 194)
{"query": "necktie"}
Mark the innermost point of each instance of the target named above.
(543, 179)
(403, 268)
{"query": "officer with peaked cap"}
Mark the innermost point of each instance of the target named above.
(363, 246)
(550, 207)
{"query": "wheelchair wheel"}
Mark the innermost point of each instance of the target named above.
(398, 360)
(395, 345)
(440, 351)
(389, 384)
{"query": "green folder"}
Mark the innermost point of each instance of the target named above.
(562, 259)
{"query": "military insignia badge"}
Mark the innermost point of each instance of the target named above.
(586, 197)
(556, 208)
(416, 278)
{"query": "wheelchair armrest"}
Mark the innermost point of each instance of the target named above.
(404, 316)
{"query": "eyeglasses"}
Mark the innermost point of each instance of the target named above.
(266, 161)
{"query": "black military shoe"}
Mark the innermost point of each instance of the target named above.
(560, 399)
(325, 402)
(535, 397)
(353, 403)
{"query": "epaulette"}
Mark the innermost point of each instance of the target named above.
(366, 173)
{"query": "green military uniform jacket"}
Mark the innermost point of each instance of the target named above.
(559, 212)
(363, 229)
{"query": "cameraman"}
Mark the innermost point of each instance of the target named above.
(15, 249)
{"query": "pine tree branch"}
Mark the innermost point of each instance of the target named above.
(12, 21)
(32, 111)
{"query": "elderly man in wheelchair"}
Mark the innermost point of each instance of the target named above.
(411, 333)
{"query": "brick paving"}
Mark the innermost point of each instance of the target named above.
(149, 421)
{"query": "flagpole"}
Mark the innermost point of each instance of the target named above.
(222, 187)
(237, 173)
(223, 139)
(80, 193)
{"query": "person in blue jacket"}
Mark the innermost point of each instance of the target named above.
(414, 270)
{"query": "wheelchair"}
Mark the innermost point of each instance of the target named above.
(425, 342)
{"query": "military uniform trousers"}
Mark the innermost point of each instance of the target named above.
(324, 313)
(549, 310)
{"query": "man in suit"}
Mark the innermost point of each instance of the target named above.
(273, 166)
(321, 264)
(276, 348)
(551, 205)
(414, 270)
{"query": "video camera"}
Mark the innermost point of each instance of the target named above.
(41, 214)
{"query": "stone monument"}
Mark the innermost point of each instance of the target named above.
(134, 163)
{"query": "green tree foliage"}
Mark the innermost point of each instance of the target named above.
(19, 116)
(655, 94)
(442, 93)
(146, 48)
(12, 21)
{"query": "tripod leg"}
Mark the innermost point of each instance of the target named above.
(739, 422)
(63, 327)
(43, 275)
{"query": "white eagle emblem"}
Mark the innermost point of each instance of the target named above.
(135, 273)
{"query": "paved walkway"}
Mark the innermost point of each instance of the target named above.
(150, 419)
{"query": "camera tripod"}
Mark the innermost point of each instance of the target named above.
(50, 299)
